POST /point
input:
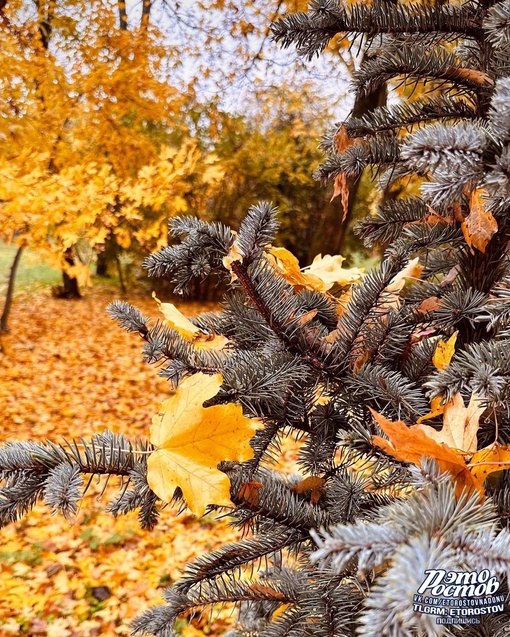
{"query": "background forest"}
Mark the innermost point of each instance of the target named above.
(117, 117)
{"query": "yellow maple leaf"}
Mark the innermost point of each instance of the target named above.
(321, 275)
(288, 265)
(494, 458)
(329, 269)
(191, 440)
(460, 424)
(444, 352)
(177, 321)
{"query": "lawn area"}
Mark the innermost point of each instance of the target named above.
(33, 274)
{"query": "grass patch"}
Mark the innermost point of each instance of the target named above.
(33, 273)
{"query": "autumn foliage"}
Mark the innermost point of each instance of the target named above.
(394, 384)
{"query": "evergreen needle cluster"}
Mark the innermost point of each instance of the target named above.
(341, 549)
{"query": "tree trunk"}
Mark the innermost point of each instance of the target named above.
(146, 13)
(123, 20)
(10, 290)
(330, 235)
(70, 288)
(102, 264)
(119, 272)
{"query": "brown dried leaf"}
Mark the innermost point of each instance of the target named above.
(341, 188)
(480, 225)
(342, 140)
(249, 491)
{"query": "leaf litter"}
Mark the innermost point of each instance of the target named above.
(67, 370)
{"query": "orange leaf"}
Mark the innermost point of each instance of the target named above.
(342, 140)
(314, 484)
(411, 444)
(479, 226)
(249, 491)
(341, 187)
(429, 305)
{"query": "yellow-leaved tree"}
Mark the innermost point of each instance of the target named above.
(81, 98)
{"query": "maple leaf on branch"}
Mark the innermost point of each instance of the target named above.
(411, 444)
(191, 440)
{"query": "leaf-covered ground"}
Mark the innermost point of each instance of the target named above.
(68, 370)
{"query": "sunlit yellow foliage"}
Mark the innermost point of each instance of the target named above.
(77, 160)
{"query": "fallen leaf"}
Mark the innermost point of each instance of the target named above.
(436, 409)
(357, 363)
(176, 320)
(479, 226)
(430, 304)
(321, 275)
(444, 352)
(341, 188)
(192, 440)
(211, 341)
(489, 460)
(329, 269)
(342, 140)
(249, 491)
(460, 424)
(234, 254)
(412, 270)
(411, 444)
(314, 484)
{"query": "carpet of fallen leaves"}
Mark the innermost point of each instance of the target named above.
(67, 370)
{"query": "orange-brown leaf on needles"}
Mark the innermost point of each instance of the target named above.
(411, 444)
(479, 226)
(249, 491)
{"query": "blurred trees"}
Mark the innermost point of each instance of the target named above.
(111, 122)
